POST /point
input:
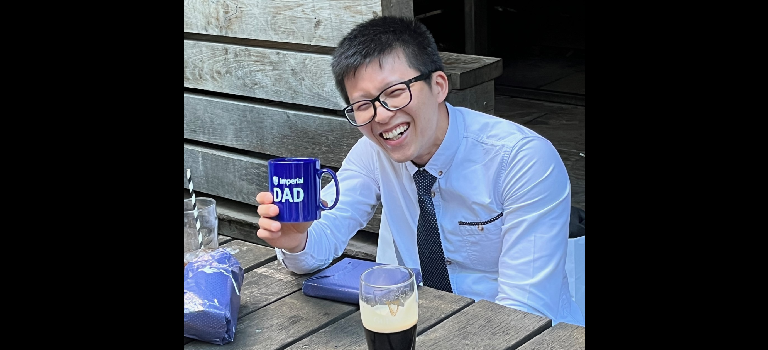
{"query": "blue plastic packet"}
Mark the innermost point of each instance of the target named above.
(212, 284)
(341, 281)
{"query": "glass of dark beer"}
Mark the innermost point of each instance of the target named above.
(389, 307)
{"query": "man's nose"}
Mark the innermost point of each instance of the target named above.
(382, 114)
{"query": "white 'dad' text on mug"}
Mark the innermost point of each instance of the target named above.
(285, 194)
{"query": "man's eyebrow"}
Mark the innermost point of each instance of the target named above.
(366, 97)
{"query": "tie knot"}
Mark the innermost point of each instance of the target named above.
(424, 181)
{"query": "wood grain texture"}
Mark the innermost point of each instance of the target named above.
(562, 336)
(434, 307)
(518, 110)
(575, 163)
(237, 177)
(243, 231)
(484, 325)
(364, 243)
(226, 174)
(311, 22)
(535, 94)
(266, 285)
(278, 45)
(401, 8)
(223, 239)
(578, 193)
(479, 97)
(278, 75)
(268, 129)
(290, 133)
(283, 322)
(465, 71)
(565, 127)
(297, 77)
(249, 255)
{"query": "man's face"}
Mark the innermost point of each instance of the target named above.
(411, 133)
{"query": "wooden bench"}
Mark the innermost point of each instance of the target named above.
(258, 85)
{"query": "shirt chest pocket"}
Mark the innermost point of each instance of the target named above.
(482, 239)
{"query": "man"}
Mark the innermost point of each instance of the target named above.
(479, 203)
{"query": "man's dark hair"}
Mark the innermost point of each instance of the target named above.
(379, 37)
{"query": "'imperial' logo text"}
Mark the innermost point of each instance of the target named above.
(285, 194)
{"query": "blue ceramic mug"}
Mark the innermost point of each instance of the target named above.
(295, 187)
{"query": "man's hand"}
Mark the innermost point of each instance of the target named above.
(289, 236)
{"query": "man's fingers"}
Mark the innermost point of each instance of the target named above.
(264, 198)
(269, 225)
(268, 210)
(266, 235)
(324, 202)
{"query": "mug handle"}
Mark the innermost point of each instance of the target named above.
(336, 182)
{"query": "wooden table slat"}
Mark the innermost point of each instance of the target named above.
(275, 314)
(561, 336)
(224, 239)
(249, 255)
(434, 307)
(267, 284)
(484, 325)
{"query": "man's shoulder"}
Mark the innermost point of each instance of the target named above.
(486, 128)
(365, 151)
(364, 147)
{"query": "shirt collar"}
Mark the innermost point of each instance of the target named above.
(441, 161)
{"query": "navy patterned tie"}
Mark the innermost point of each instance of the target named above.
(433, 270)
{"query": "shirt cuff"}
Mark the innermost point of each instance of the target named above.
(295, 261)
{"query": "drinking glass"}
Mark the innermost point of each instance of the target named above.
(389, 307)
(206, 239)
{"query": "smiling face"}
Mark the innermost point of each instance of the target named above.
(413, 133)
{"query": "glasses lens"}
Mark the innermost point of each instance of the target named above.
(359, 112)
(396, 97)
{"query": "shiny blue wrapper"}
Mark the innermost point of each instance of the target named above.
(212, 284)
(341, 281)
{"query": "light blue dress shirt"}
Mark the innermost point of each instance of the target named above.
(502, 201)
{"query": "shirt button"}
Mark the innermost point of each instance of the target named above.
(440, 173)
(448, 262)
(433, 194)
(479, 227)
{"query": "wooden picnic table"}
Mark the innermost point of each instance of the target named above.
(275, 314)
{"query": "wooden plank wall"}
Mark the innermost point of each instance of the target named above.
(258, 85)
(311, 22)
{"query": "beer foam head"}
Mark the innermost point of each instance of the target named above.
(391, 317)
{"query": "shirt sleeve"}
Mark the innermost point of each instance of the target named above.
(358, 197)
(537, 200)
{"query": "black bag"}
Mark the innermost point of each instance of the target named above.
(576, 226)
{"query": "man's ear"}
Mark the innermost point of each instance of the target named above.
(440, 85)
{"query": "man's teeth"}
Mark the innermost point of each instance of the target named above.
(395, 134)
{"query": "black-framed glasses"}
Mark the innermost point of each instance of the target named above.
(392, 98)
